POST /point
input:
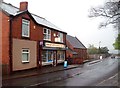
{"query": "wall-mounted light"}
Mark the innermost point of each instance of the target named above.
(54, 35)
(34, 27)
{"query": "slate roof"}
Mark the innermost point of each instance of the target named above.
(9, 8)
(75, 42)
(12, 10)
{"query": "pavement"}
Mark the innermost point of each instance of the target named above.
(43, 70)
(34, 72)
(87, 73)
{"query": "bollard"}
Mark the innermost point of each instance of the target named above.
(100, 57)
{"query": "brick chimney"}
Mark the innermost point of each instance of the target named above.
(23, 6)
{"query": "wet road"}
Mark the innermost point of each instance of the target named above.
(92, 75)
(85, 75)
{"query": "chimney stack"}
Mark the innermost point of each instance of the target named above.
(23, 6)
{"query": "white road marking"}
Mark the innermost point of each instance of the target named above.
(107, 79)
(94, 62)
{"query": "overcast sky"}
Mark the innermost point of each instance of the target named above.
(72, 17)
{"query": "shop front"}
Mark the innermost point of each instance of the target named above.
(52, 53)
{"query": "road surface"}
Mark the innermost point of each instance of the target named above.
(88, 74)
(93, 75)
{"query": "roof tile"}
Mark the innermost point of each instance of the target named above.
(12, 10)
(75, 42)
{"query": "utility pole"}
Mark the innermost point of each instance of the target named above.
(99, 47)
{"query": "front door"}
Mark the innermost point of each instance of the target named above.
(54, 58)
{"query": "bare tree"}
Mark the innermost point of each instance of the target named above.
(110, 10)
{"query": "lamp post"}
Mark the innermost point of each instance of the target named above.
(99, 47)
(100, 56)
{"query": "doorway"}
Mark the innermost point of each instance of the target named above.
(54, 58)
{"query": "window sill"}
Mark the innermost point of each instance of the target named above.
(59, 42)
(60, 61)
(23, 37)
(47, 63)
(24, 62)
(47, 39)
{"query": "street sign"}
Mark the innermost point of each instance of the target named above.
(41, 43)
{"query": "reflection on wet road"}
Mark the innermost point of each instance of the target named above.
(90, 74)
(84, 75)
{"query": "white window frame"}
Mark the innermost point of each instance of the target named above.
(26, 53)
(48, 35)
(47, 56)
(26, 22)
(60, 36)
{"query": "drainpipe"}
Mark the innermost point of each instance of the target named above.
(65, 47)
(10, 46)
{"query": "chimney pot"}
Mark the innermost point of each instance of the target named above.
(23, 6)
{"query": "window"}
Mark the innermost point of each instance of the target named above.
(47, 56)
(60, 35)
(44, 56)
(25, 55)
(61, 55)
(47, 34)
(50, 56)
(25, 28)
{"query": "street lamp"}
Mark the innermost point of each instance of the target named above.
(100, 56)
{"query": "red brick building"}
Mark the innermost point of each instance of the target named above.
(76, 52)
(28, 40)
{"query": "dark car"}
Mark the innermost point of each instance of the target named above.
(113, 56)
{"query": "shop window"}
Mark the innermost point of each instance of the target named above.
(50, 56)
(25, 28)
(61, 55)
(44, 56)
(25, 55)
(47, 34)
(47, 56)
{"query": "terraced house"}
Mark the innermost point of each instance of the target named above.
(29, 41)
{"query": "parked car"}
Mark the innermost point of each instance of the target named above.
(113, 56)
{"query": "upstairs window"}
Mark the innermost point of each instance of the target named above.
(47, 34)
(25, 28)
(60, 35)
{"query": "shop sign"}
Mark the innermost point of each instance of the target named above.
(54, 45)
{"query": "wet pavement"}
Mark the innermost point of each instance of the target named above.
(84, 75)
(40, 79)
(39, 71)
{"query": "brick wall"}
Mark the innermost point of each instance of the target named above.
(82, 53)
(68, 52)
(36, 31)
(5, 42)
(77, 59)
(36, 34)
